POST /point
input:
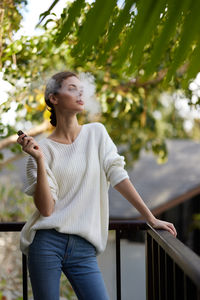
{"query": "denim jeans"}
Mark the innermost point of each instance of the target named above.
(51, 253)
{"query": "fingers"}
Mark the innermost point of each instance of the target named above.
(171, 229)
(24, 140)
(174, 230)
(20, 139)
(167, 226)
(27, 142)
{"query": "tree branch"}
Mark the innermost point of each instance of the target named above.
(1, 34)
(161, 74)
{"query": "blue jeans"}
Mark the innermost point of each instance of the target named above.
(52, 252)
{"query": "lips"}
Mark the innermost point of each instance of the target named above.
(80, 102)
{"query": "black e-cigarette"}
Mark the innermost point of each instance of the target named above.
(20, 132)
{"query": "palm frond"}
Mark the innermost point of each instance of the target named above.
(194, 66)
(122, 20)
(157, 30)
(94, 25)
(188, 35)
(73, 13)
(175, 9)
(134, 34)
(149, 28)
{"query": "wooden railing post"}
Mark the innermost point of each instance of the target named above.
(25, 277)
(149, 268)
(118, 265)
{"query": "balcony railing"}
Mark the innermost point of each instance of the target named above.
(172, 269)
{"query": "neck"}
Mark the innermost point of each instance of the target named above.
(67, 128)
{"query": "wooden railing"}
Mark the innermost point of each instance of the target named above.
(172, 269)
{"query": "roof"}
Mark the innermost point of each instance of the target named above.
(161, 185)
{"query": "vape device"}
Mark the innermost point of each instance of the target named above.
(20, 132)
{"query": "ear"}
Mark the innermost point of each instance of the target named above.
(53, 99)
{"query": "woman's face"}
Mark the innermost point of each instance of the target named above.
(70, 95)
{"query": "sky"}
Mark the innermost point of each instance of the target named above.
(31, 15)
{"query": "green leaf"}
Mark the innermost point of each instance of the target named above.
(1, 156)
(144, 12)
(73, 13)
(46, 13)
(16, 148)
(94, 25)
(190, 32)
(122, 20)
(194, 66)
(20, 106)
(148, 28)
(175, 11)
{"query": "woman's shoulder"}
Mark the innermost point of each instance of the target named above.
(98, 129)
(95, 126)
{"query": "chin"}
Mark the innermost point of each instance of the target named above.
(80, 110)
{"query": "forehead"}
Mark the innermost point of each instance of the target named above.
(72, 81)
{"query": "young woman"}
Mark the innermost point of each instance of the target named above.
(68, 175)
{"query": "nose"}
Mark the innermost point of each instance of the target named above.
(81, 92)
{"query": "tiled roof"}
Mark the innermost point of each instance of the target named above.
(160, 183)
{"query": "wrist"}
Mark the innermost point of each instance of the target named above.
(39, 159)
(151, 220)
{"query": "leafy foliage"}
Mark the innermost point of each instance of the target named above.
(12, 199)
(10, 18)
(141, 35)
(129, 104)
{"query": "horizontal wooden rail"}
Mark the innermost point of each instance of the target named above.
(11, 226)
(172, 269)
(117, 224)
(187, 260)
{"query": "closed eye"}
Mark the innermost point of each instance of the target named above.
(73, 86)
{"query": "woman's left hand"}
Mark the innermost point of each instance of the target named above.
(159, 224)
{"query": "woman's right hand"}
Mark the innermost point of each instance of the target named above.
(30, 146)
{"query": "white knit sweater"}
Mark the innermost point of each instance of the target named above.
(78, 175)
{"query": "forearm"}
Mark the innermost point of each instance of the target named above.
(127, 190)
(42, 196)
